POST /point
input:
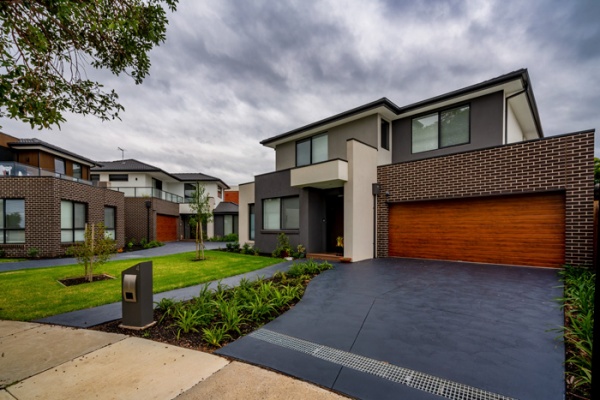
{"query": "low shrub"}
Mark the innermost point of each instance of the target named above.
(578, 332)
(232, 247)
(33, 252)
(283, 248)
(153, 243)
(232, 237)
(224, 314)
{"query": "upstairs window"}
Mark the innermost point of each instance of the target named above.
(59, 166)
(312, 150)
(76, 170)
(188, 192)
(118, 177)
(443, 129)
(12, 221)
(385, 135)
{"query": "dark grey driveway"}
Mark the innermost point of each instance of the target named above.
(425, 330)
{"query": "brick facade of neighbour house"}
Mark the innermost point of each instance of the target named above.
(43, 197)
(560, 163)
(136, 216)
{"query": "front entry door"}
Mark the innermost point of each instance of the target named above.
(334, 214)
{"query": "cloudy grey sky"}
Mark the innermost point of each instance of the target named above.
(234, 72)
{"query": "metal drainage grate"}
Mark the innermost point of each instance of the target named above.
(417, 380)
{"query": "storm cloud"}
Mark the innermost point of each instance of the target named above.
(232, 73)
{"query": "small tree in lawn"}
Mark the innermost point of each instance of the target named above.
(95, 249)
(201, 208)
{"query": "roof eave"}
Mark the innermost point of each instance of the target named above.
(383, 102)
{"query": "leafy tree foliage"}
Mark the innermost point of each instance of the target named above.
(596, 170)
(45, 46)
(200, 205)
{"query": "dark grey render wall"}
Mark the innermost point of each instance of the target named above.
(363, 130)
(277, 184)
(312, 232)
(486, 130)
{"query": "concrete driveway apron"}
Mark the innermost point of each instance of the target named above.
(420, 329)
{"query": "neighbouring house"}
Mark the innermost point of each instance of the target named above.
(232, 195)
(467, 176)
(226, 219)
(157, 202)
(47, 198)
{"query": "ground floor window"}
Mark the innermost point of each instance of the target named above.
(281, 213)
(12, 220)
(252, 221)
(72, 221)
(109, 222)
(229, 224)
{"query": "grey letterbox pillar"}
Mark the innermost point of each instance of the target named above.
(137, 301)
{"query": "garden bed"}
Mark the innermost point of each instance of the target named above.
(578, 304)
(215, 318)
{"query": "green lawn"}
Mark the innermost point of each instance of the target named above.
(30, 294)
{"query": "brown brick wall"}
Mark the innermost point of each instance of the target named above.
(562, 163)
(136, 216)
(42, 211)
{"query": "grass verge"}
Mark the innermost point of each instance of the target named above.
(578, 333)
(30, 294)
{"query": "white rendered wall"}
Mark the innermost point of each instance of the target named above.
(515, 133)
(358, 201)
(246, 198)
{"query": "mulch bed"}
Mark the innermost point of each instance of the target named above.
(82, 279)
(159, 333)
(165, 332)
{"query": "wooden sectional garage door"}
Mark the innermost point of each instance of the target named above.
(166, 228)
(518, 230)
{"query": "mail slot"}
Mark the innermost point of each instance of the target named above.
(129, 289)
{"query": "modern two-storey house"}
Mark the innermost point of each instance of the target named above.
(467, 176)
(47, 197)
(157, 202)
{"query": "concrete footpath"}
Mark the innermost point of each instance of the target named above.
(53, 362)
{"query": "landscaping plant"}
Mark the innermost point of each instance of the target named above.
(282, 248)
(578, 332)
(215, 317)
(95, 249)
(201, 207)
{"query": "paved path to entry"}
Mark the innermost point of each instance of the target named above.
(419, 329)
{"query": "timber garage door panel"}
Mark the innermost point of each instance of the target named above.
(166, 228)
(517, 230)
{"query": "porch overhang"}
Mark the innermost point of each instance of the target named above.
(325, 175)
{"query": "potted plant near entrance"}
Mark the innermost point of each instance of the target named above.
(283, 249)
(340, 246)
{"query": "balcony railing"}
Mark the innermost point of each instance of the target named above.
(15, 169)
(148, 192)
